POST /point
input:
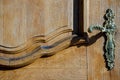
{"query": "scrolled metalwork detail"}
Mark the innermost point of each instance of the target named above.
(109, 29)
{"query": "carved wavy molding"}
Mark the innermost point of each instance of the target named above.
(32, 49)
(31, 43)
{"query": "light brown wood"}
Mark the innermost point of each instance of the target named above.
(86, 14)
(22, 20)
(49, 23)
(69, 64)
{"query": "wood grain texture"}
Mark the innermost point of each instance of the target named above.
(96, 61)
(23, 54)
(29, 26)
(23, 19)
(41, 17)
(69, 64)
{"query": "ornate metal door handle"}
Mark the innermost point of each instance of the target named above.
(109, 29)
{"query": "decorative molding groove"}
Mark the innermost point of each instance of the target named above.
(32, 49)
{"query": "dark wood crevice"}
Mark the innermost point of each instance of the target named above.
(78, 17)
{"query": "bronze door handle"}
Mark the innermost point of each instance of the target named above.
(108, 28)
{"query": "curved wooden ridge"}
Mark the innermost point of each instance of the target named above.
(31, 43)
(32, 49)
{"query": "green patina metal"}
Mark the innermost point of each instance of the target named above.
(109, 29)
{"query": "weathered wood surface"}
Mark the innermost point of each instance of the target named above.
(22, 19)
(29, 26)
(69, 64)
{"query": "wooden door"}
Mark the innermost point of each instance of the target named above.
(34, 23)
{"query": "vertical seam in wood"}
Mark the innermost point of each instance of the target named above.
(85, 26)
(87, 62)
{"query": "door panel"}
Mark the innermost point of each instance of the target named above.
(29, 26)
(23, 19)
